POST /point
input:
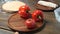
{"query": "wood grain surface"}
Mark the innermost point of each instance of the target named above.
(51, 27)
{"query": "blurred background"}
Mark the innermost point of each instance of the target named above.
(52, 26)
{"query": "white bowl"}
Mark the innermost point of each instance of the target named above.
(57, 14)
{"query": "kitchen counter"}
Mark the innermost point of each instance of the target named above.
(51, 25)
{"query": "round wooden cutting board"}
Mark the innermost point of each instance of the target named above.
(17, 23)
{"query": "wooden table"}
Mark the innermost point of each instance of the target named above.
(51, 26)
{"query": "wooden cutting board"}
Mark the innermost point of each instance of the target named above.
(15, 22)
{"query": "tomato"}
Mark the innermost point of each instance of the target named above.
(24, 14)
(30, 23)
(37, 15)
(24, 11)
(25, 8)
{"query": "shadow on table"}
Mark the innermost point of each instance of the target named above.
(35, 31)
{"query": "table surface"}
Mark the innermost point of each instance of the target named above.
(51, 26)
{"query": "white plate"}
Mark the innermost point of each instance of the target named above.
(12, 6)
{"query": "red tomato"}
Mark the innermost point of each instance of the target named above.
(25, 8)
(37, 15)
(30, 23)
(24, 14)
(24, 11)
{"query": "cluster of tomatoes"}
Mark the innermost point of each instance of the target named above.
(36, 16)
